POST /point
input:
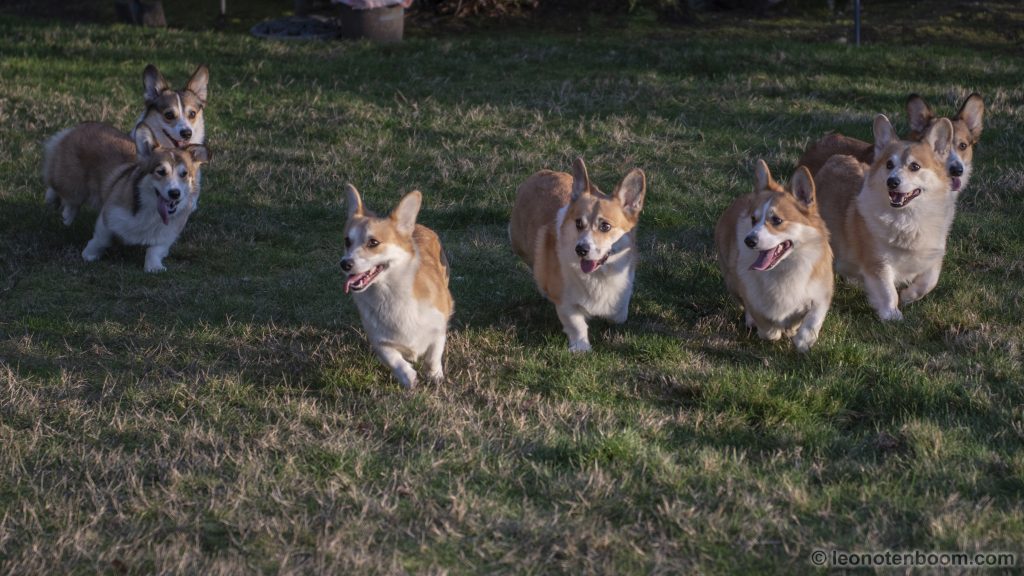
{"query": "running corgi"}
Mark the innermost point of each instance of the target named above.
(889, 221)
(398, 274)
(580, 244)
(774, 253)
(76, 160)
(142, 199)
(967, 126)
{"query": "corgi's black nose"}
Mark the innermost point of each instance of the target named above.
(174, 193)
(750, 241)
(893, 182)
(186, 133)
(346, 264)
(582, 250)
(956, 170)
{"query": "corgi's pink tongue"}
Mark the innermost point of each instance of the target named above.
(349, 282)
(161, 206)
(764, 260)
(956, 183)
(588, 266)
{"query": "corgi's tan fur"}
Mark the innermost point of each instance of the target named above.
(773, 250)
(398, 273)
(967, 127)
(580, 244)
(145, 201)
(889, 221)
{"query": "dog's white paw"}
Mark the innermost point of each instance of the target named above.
(772, 334)
(90, 255)
(155, 268)
(804, 340)
(436, 376)
(891, 314)
(581, 346)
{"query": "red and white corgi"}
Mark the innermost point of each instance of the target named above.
(889, 221)
(398, 275)
(580, 244)
(967, 126)
(145, 201)
(774, 253)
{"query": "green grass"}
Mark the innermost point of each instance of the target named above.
(228, 416)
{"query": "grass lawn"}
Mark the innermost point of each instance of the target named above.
(228, 416)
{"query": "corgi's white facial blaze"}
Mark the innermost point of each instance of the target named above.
(770, 243)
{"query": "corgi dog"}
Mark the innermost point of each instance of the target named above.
(175, 116)
(773, 250)
(967, 126)
(580, 244)
(889, 221)
(397, 272)
(76, 160)
(145, 202)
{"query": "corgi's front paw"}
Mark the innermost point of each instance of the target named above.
(749, 320)
(910, 294)
(772, 334)
(155, 268)
(436, 376)
(890, 314)
(804, 340)
(91, 255)
(579, 346)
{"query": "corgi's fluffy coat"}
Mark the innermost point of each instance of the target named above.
(967, 127)
(580, 244)
(145, 202)
(889, 221)
(398, 273)
(774, 254)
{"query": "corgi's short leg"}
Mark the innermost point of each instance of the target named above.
(52, 198)
(807, 334)
(101, 238)
(921, 285)
(435, 359)
(68, 214)
(748, 319)
(400, 367)
(155, 258)
(575, 325)
(881, 289)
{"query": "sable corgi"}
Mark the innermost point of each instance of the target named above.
(142, 199)
(175, 116)
(580, 244)
(889, 221)
(774, 253)
(967, 126)
(76, 160)
(398, 274)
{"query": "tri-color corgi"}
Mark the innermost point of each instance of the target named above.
(967, 126)
(145, 201)
(774, 253)
(76, 160)
(398, 274)
(580, 244)
(889, 222)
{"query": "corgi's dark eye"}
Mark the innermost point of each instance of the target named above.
(579, 224)
(372, 243)
(348, 242)
(604, 227)
(183, 173)
(169, 115)
(753, 219)
(890, 165)
(191, 114)
(914, 166)
(160, 171)
(963, 145)
(776, 221)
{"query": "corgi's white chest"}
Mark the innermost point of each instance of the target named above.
(785, 292)
(392, 316)
(911, 242)
(145, 228)
(606, 292)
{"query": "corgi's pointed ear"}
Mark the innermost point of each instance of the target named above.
(973, 112)
(763, 176)
(884, 134)
(631, 192)
(919, 114)
(940, 137)
(580, 179)
(404, 215)
(353, 201)
(145, 142)
(153, 84)
(197, 84)
(200, 154)
(802, 186)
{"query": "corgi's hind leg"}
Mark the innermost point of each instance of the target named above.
(68, 214)
(52, 198)
(101, 238)
(435, 359)
(400, 367)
